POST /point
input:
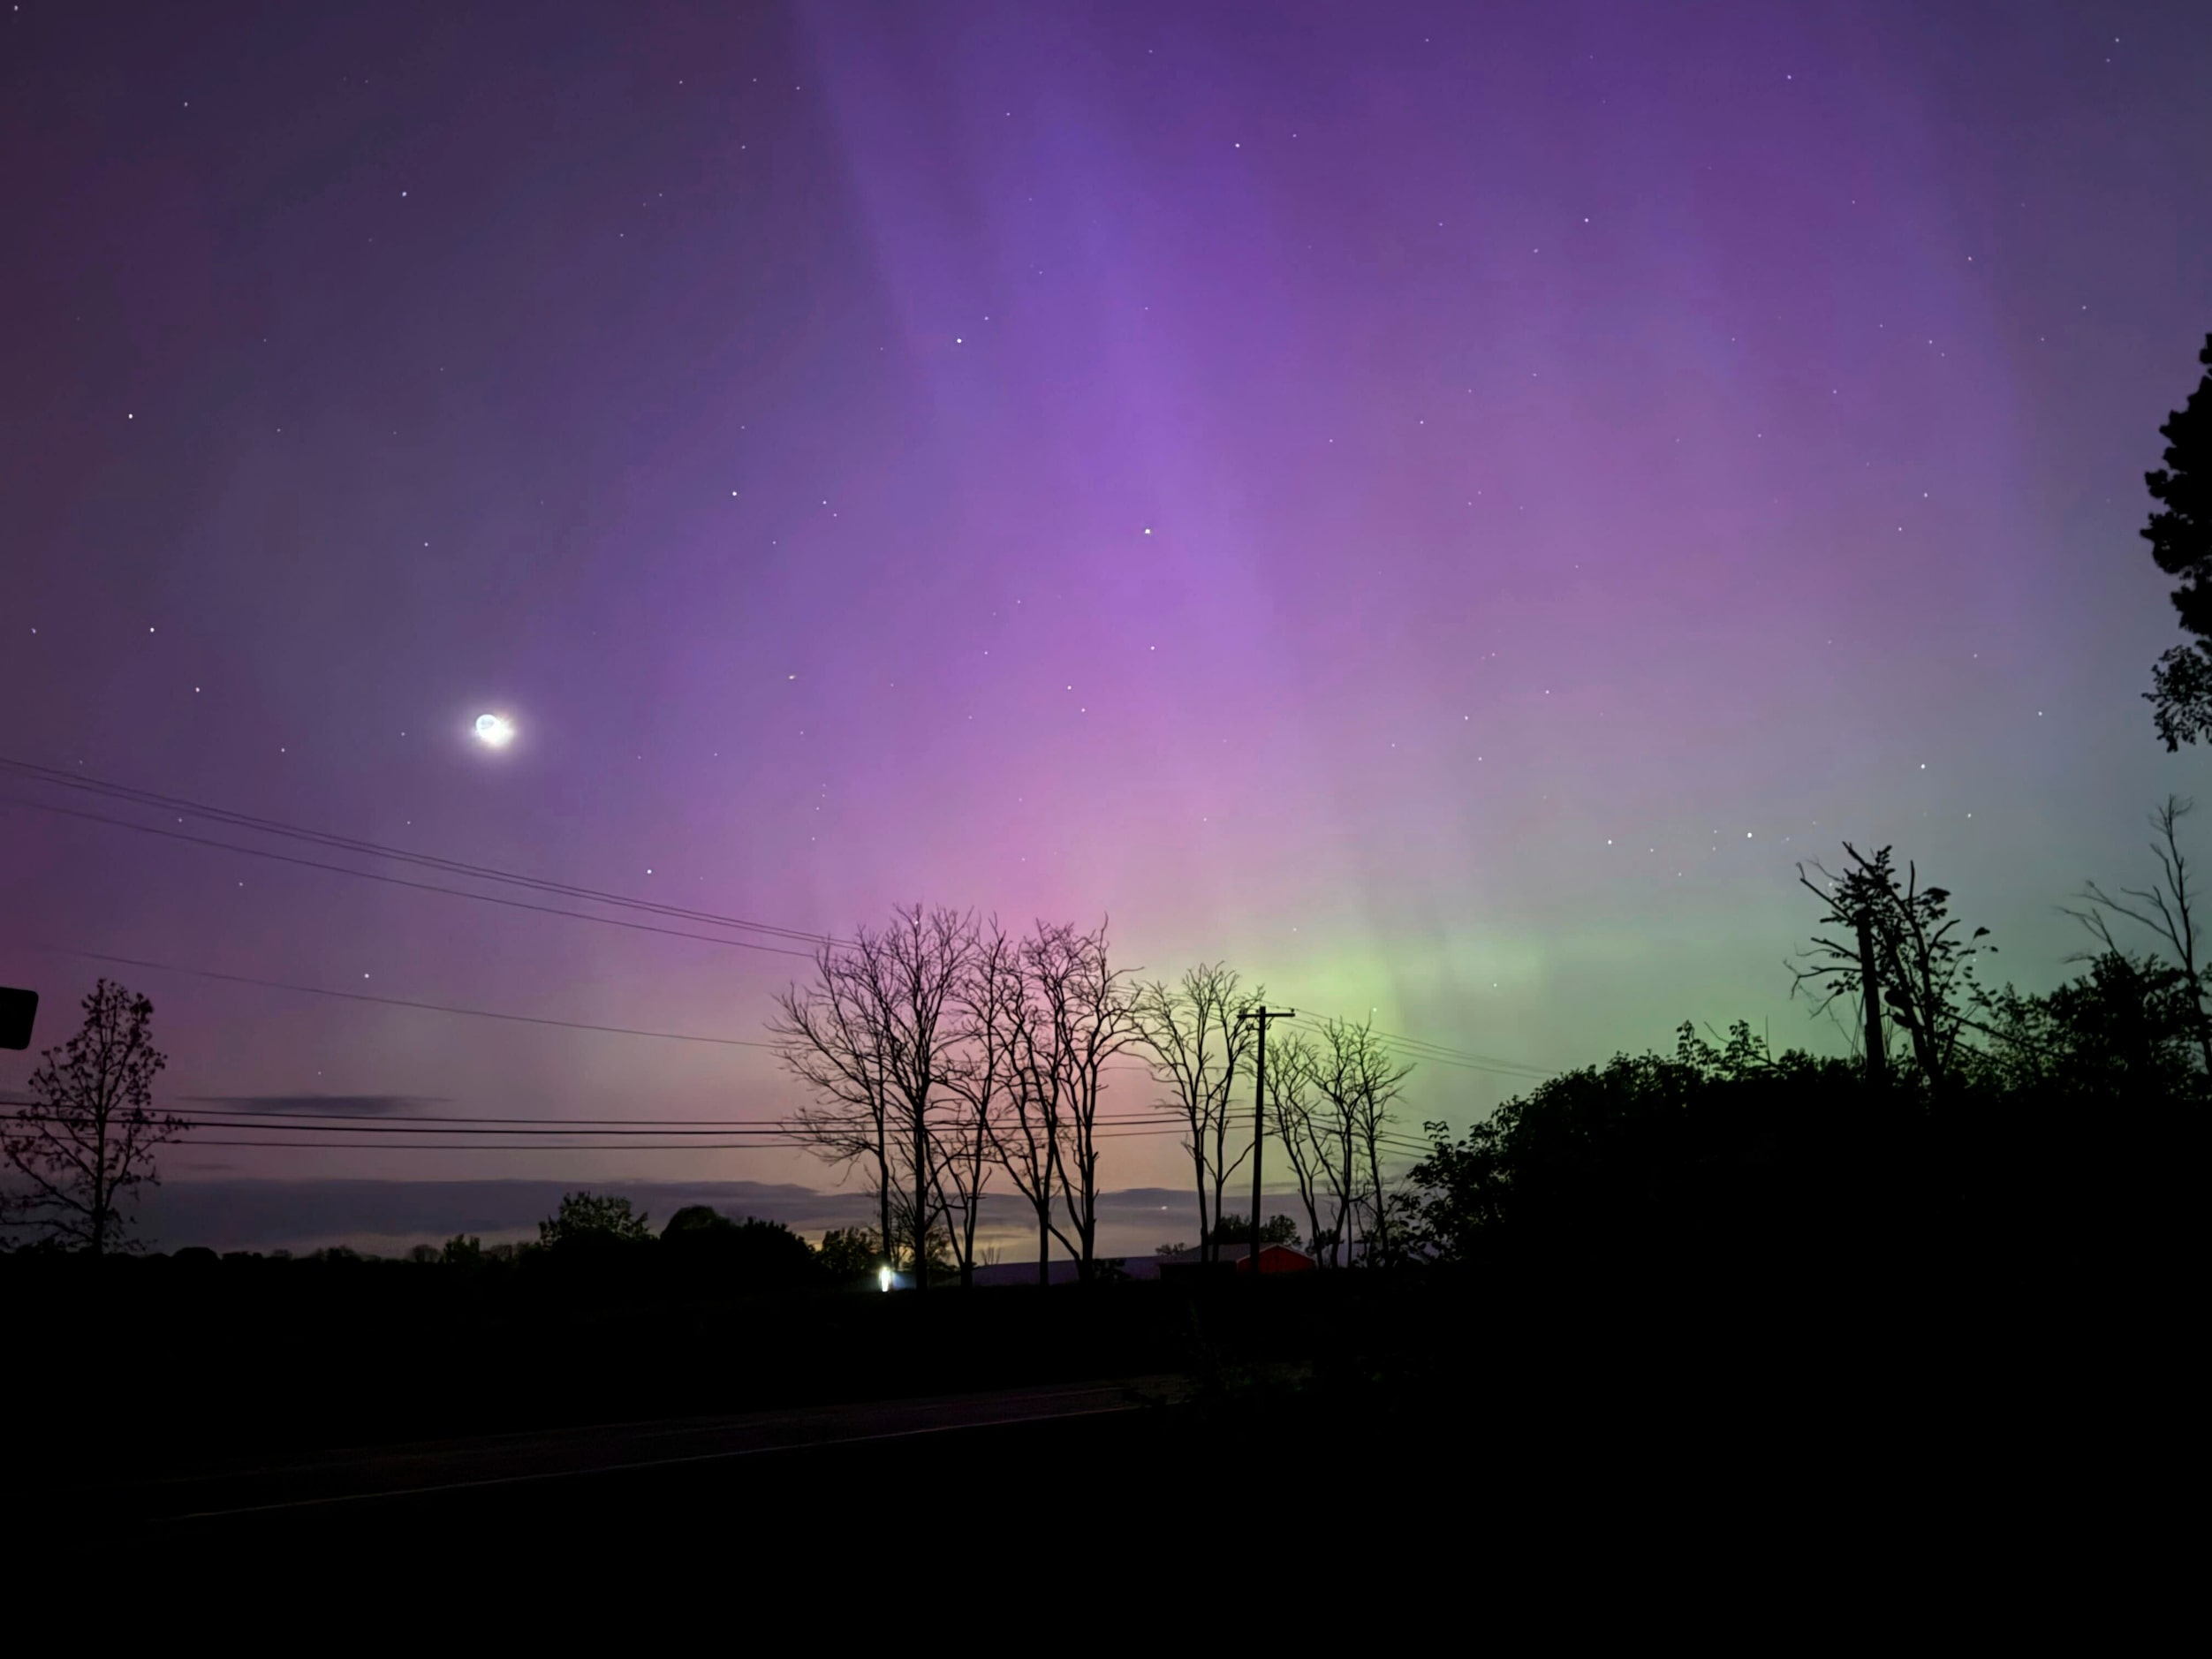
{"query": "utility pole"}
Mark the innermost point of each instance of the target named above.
(1261, 1016)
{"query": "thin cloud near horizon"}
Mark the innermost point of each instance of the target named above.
(331, 1105)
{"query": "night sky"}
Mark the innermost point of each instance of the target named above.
(1439, 505)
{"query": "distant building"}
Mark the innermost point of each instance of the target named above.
(1275, 1258)
(1237, 1258)
(1064, 1270)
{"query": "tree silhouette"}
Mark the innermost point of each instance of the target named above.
(1307, 1140)
(2180, 540)
(1066, 1014)
(833, 1036)
(1902, 935)
(847, 1253)
(1084, 1013)
(917, 963)
(708, 1248)
(877, 1038)
(594, 1218)
(1851, 967)
(86, 1142)
(2166, 910)
(2123, 1033)
(1607, 1161)
(1197, 1042)
(1360, 1082)
(1236, 1228)
(1031, 1120)
(987, 1003)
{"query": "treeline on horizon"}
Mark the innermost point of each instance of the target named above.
(596, 1234)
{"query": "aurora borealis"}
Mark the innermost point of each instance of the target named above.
(1440, 505)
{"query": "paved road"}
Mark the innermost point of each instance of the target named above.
(772, 1453)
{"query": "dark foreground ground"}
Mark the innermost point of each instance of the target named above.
(1918, 1427)
(786, 1456)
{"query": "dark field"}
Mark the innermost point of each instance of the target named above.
(294, 1401)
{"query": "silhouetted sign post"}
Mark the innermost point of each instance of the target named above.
(17, 1010)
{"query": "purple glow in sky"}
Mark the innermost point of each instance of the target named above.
(1441, 505)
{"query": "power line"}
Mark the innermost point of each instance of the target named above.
(1420, 1052)
(427, 1126)
(574, 1125)
(386, 1146)
(397, 881)
(578, 1124)
(585, 1138)
(401, 1001)
(357, 1127)
(351, 1122)
(431, 861)
(378, 1146)
(1424, 1050)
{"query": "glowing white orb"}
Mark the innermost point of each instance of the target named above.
(494, 732)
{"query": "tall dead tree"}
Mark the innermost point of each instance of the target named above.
(833, 1036)
(919, 960)
(1026, 1131)
(981, 1080)
(2164, 910)
(1334, 1139)
(875, 1037)
(1379, 1080)
(1852, 965)
(1358, 1082)
(1197, 1042)
(1307, 1143)
(85, 1142)
(1084, 1008)
(1902, 952)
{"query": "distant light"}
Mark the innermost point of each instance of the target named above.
(494, 732)
(883, 1279)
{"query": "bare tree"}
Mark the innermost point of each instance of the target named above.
(981, 1081)
(1026, 1131)
(1906, 935)
(921, 959)
(1354, 1072)
(1381, 1081)
(1085, 1013)
(1196, 1042)
(875, 1037)
(1308, 1142)
(2164, 910)
(833, 1037)
(1851, 967)
(86, 1141)
(1334, 1074)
